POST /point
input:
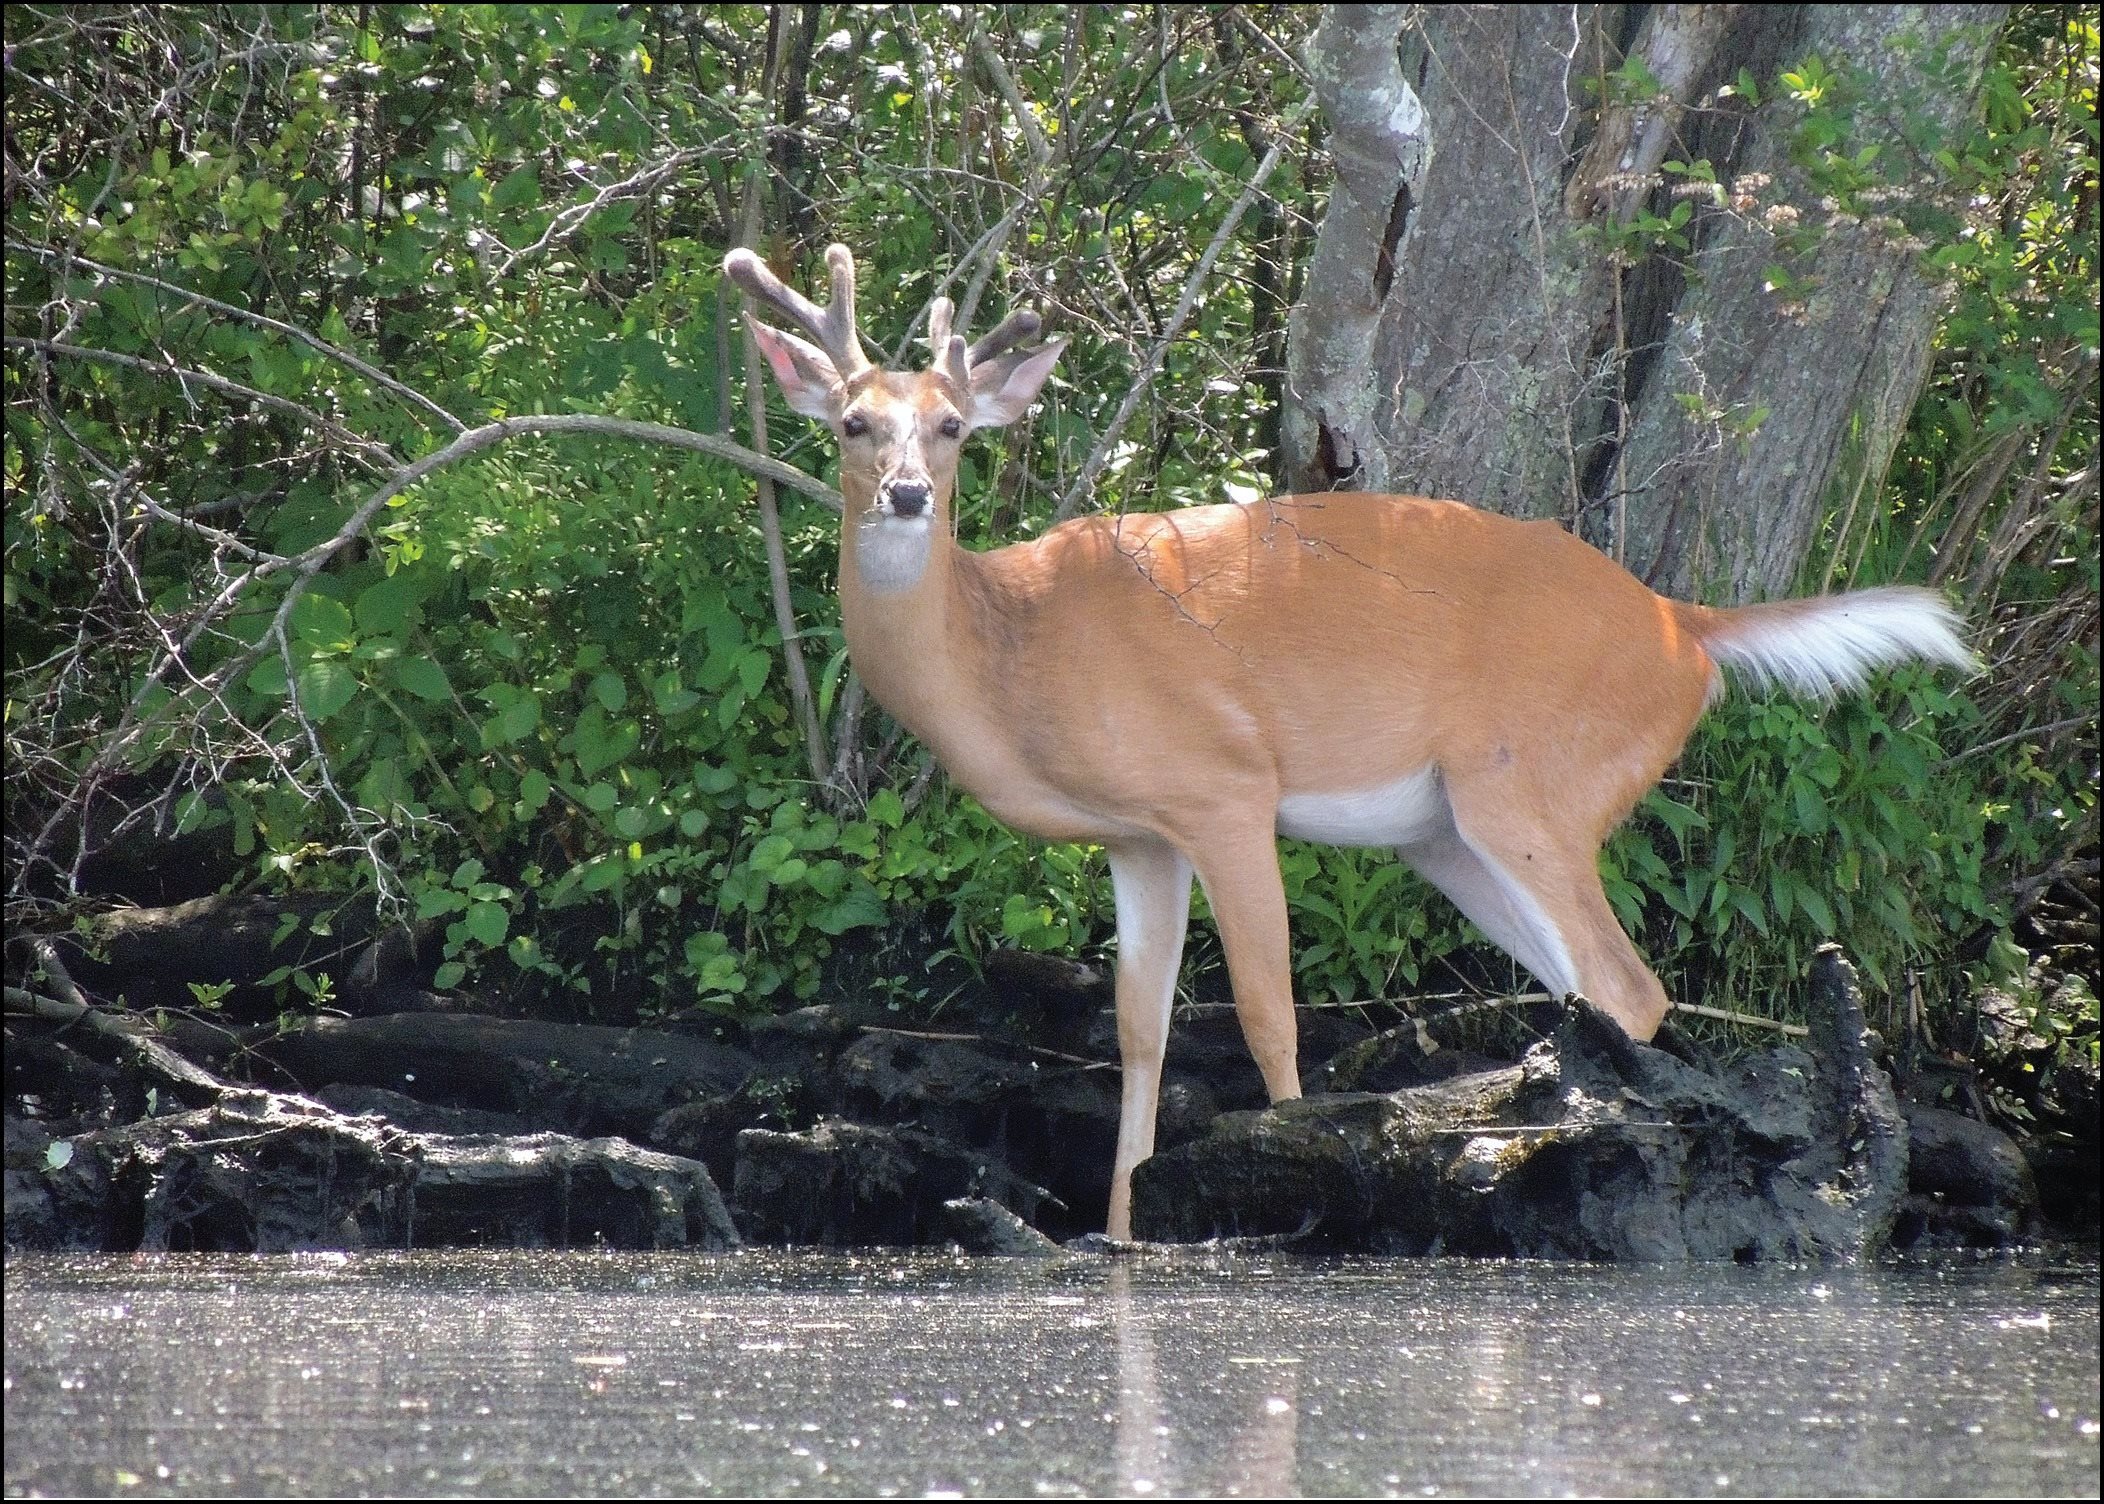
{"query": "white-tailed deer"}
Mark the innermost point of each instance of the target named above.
(1489, 697)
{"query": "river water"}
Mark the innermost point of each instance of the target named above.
(917, 1374)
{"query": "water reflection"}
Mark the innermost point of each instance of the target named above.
(1244, 1448)
(888, 1375)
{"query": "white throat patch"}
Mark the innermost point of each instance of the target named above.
(891, 553)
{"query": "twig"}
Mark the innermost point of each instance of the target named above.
(136, 720)
(1732, 1016)
(632, 186)
(1488, 1128)
(2049, 729)
(1034, 1049)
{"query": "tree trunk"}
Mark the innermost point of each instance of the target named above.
(1498, 310)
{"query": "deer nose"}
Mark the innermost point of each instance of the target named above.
(907, 498)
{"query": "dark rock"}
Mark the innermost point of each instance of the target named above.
(1064, 1136)
(1966, 1162)
(984, 1226)
(1050, 1000)
(150, 956)
(412, 1116)
(260, 1172)
(895, 1071)
(948, 1087)
(2063, 1151)
(255, 1173)
(1593, 1147)
(549, 1190)
(1968, 1184)
(847, 1184)
(47, 1075)
(1206, 1045)
(585, 1079)
(804, 1040)
(1370, 1168)
(707, 1128)
(131, 850)
(1405, 1055)
(32, 1214)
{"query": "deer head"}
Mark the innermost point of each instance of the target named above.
(900, 432)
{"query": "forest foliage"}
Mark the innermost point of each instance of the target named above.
(263, 260)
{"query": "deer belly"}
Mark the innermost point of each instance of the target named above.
(1401, 813)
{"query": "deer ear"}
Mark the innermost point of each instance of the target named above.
(1003, 388)
(805, 373)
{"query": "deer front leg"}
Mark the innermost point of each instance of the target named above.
(1151, 883)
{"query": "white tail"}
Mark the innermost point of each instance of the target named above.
(1829, 645)
(1489, 697)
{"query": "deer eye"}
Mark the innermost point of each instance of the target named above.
(855, 426)
(952, 427)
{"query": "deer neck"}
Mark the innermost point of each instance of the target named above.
(908, 626)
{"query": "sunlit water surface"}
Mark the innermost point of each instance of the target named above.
(766, 1373)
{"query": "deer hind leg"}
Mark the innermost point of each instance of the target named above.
(1151, 883)
(1241, 880)
(1540, 899)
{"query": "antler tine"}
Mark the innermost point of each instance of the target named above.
(1013, 330)
(947, 347)
(833, 326)
(843, 343)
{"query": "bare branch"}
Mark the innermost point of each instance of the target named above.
(836, 330)
(371, 453)
(292, 331)
(1100, 455)
(635, 185)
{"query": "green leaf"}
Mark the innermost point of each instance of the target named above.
(326, 686)
(610, 690)
(268, 677)
(390, 605)
(600, 747)
(488, 922)
(672, 700)
(886, 809)
(422, 677)
(518, 719)
(323, 622)
(534, 790)
(518, 190)
(432, 902)
(859, 908)
(1811, 809)
(190, 812)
